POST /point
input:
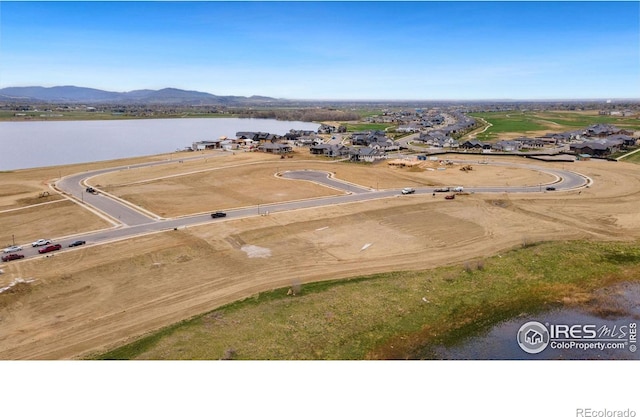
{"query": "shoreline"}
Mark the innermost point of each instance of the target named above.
(77, 142)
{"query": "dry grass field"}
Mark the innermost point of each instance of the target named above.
(87, 300)
(57, 219)
(21, 188)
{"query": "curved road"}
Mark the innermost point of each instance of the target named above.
(130, 221)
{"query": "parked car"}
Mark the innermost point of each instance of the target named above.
(41, 242)
(450, 196)
(51, 248)
(12, 257)
(551, 188)
(91, 190)
(77, 243)
(408, 190)
(13, 248)
(218, 214)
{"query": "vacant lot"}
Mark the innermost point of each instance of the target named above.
(98, 297)
(60, 218)
(248, 179)
(24, 187)
(401, 314)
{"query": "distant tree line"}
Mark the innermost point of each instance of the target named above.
(304, 115)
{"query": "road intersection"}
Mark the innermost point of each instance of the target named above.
(130, 221)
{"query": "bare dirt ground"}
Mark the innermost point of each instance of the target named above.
(59, 218)
(30, 209)
(90, 299)
(248, 179)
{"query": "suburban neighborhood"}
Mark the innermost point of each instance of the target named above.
(429, 132)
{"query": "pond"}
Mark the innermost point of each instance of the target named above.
(604, 329)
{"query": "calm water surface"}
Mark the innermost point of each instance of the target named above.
(500, 342)
(45, 143)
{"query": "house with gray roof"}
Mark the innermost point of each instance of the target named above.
(475, 144)
(507, 146)
(529, 143)
(600, 148)
(365, 138)
(332, 150)
(206, 144)
(278, 148)
(365, 154)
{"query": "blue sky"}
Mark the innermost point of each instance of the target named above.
(328, 50)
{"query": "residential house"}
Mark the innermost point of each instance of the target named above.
(528, 143)
(600, 148)
(627, 141)
(604, 130)
(278, 148)
(206, 144)
(332, 150)
(261, 137)
(365, 138)
(365, 154)
(384, 144)
(475, 144)
(507, 146)
(409, 128)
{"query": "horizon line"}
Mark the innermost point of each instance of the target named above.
(341, 99)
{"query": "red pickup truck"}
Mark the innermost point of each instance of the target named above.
(12, 257)
(50, 248)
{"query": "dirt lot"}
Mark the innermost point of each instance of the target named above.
(89, 299)
(248, 179)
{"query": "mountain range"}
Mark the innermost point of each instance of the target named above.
(73, 94)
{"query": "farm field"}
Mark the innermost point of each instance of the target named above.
(508, 125)
(84, 302)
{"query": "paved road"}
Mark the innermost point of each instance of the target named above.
(325, 178)
(130, 222)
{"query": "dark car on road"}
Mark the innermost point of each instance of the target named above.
(218, 214)
(51, 248)
(551, 188)
(12, 257)
(77, 243)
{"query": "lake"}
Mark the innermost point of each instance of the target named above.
(33, 144)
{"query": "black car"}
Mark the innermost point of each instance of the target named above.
(77, 243)
(551, 188)
(218, 214)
